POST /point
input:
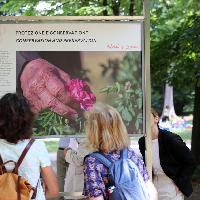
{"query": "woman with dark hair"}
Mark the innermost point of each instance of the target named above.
(16, 120)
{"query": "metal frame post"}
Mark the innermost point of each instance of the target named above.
(147, 91)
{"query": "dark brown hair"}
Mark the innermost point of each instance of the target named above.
(154, 112)
(16, 118)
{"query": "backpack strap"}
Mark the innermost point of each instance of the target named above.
(102, 158)
(35, 190)
(18, 188)
(124, 153)
(23, 155)
(2, 167)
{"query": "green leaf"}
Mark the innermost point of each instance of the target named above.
(118, 87)
(126, 115)
(103, 90)
(137, 124)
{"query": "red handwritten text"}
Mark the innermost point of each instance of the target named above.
(122, 47)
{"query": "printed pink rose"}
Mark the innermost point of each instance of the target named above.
(81, 93)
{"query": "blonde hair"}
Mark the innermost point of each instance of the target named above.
(105, 129)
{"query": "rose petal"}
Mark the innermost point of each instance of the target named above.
(81, 93)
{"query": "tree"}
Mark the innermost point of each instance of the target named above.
(169, 102)
(175, 55)
(166, 17)
(179, 57)
(72, 8)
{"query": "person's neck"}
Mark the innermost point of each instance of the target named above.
(154, 132)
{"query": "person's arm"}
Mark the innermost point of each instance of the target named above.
(23, 57)
(50, 181)
(73, 157)
(182, 154)
(44, 86)
(71, 153)
(94, 187)
(48, 175)
(153, 194)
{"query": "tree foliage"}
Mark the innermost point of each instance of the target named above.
(175, 58)
(71, 7)
(172, 24)
(177, 55)
(127, 89)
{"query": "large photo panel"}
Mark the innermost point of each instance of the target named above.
(64, 68)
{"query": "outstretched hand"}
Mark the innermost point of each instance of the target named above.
(43, 84)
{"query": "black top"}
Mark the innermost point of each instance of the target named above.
(176, 159)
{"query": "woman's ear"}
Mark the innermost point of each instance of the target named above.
(156, 119)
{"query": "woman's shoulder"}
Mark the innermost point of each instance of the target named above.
(39, 142)
(40, 147)
(90, 158)
(2, 141)
(169, 138)
(133, 155)
(93, 158)
(93, 164)
(115, 155)
(19, 144)
(131, 151)
(168, 135)
(37, 148)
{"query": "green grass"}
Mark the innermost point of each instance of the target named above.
(52, 146)
(185, 134)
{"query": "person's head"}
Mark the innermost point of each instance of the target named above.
(154, 113)
(16, 118)
(154, 123)
(105, 129)
(154, 117)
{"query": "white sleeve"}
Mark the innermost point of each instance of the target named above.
(64, 142)
(43, 155)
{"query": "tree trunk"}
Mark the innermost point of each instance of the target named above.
(132, 8)
(169, 102)
(116, 7)
(196, 126)
(105, 12)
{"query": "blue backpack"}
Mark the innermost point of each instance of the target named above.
(126, 181)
